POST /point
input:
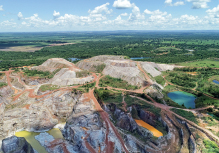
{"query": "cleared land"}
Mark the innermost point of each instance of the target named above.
(31, 48)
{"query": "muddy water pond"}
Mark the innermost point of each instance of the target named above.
(155, 132)
(30, 137)
(181, 97)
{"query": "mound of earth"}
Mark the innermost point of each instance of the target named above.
(93, 63)
(54, 64)
(155, 69)
(66, 74)
(115, 66)
(126, 70)
(67, 77)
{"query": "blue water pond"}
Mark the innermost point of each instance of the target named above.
(215, 81)
(181, 97)
(136, 58)
(74, 59)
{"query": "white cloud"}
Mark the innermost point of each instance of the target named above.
(197, 4)
(189, 17)
(136, 14)
(8, 24)
(214, 13)
(124, 14)
(169, 2)
(1, 8)
(179, 3)
(56, 14)
(147, 11)
(20, 16)
(158, 17)
(122, 4)
(100, 18)
(100, 9)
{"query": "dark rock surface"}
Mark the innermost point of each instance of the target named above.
(16, 145)
(148, 117)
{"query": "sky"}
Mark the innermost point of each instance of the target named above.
(108, 15)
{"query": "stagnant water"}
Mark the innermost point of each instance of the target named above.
(30, 137)
(155, 132)
(181, 97)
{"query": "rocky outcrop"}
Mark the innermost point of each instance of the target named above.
(54, 145)
(39, 116)
(31, 81)
(147, 116)
(16, 145)
(125, 120)
(5, 94)
(134, 145)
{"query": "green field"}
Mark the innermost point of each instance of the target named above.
(202, 63)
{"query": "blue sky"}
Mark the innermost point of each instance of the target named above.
(100, 15)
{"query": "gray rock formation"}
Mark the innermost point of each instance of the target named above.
(148, 117)
(54, 145)
(16, 145)
(125, 121)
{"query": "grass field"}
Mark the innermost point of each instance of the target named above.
(202, 63)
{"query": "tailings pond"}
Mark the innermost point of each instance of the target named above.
(181, 97)
(30, 137)
(155, 132)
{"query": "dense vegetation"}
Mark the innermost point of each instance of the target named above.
(159, 79)
(40, 74)
(163, 47)
(204, 84)
(188, 115)
(211, 146)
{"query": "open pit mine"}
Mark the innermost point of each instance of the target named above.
(72, 110)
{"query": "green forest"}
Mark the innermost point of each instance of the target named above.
(161, 47)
